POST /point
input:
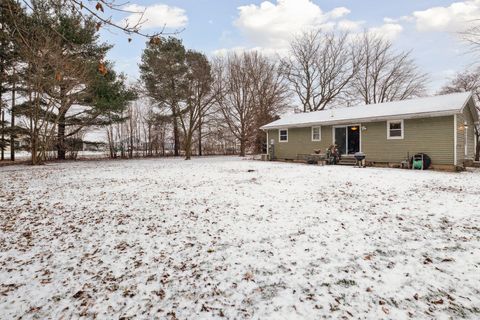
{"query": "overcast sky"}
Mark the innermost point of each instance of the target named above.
(429, 28)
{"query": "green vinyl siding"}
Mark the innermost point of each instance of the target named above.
(433, 136)
(300, 142)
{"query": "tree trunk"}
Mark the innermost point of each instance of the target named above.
(200, 138)
(34, 142)
(12, 124)
(188, 146)
(130, 151)
(1, 111)
(34, 130)
(188, 154)
(61, 147)
(150, 144)
(110, 142)
(242, 147)
(33, 148)
(2, 143)
(31, 132)
(176, 138)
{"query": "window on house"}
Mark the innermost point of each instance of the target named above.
(316, 134)
(283, 135)
(395, 129)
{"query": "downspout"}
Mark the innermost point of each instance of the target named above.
(455, 140)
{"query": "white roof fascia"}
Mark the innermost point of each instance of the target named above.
(466, 102)
(473, 109)
(406, 109)
(368, 119)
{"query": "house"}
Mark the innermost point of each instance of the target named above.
(440, 126)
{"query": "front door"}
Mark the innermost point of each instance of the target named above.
(347, 139)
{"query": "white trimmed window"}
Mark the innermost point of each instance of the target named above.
(316, 133)
(395, 129)
(283, 135)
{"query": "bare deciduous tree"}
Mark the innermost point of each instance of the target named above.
(234, 88)
(319, 67)
(250, 93)
(271, 95)
(471, 34)
(385, 75)
(199, 97)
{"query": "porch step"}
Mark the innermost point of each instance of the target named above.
(347, 161)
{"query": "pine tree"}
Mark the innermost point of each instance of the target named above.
(11, 13)
(163, 70)
(66, 85)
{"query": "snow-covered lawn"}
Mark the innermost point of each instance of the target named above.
(240, 239)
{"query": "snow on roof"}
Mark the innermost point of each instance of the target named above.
(414, 108)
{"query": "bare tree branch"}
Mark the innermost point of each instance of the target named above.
(384, 75)
(251, 93)
(319, 68)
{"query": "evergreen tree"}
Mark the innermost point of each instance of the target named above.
(78, 73)
(163, 71)
(11, 14)
(66, 85)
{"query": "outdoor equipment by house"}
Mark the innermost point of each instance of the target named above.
(360, 159)
(417, 162)
(420, 161)
(333, 155)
